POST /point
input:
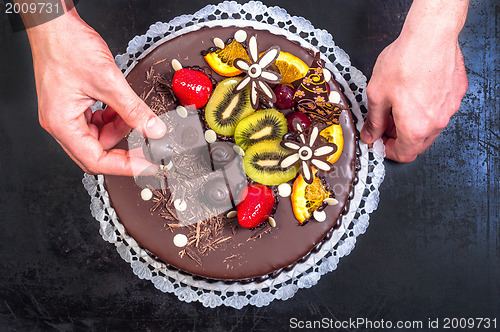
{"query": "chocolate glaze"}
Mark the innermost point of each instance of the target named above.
(242, 258)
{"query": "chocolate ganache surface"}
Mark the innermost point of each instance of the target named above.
(234, 253)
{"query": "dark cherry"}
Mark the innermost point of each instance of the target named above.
(297, 117)
(284, 96)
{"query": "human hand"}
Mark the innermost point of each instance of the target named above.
(73, 69)
(417, 84)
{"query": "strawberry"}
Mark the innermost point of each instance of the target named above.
(256, 206)
(191, 87)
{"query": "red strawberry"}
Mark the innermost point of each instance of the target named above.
(191, 87)
(256, 207)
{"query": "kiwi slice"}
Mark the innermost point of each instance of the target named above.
(264, 125)
(261, 163)
(225, 109)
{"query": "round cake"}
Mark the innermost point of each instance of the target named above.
(251, 181)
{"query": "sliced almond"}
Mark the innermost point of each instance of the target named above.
(327, 75)
(181, 111)
(231, 214)
(238, 150)
(176, 65)
(219, 43)
(272, 222)
(331, 201)
(319, 215)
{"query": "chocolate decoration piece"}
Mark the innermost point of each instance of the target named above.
(158, 151)
(257, 75)
(251, 260)
(308, 153)
(217, 193)
(221, 154)
(312, 95)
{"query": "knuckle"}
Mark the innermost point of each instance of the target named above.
(133, 112)
(442, 122)
(418, 133)
(373, 95)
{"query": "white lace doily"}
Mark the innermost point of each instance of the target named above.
(355, 222)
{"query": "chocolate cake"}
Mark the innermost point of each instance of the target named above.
(211, 175)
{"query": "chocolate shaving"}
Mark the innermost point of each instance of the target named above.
(159, 61)
(194, 256)
(160, 198)
(197, 234)
(231, 257)
(147, 96)
(259, 233)
(149, 73)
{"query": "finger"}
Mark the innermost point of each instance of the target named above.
(407, 146)
(377, 118)
(390, 131)
(112, 133)
(428, 142)
(109, 114)
(120, 96)
(96, 119)
(88, 114)
(93, 130)
(395, 150)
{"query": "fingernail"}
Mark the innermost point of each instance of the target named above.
(155, 127)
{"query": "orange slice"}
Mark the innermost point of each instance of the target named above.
(291, 67)
(307, 198)
(221, 60)
(334, 135)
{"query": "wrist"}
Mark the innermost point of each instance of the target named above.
(57, 26)
(435, 21)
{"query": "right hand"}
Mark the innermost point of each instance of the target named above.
(418, 81)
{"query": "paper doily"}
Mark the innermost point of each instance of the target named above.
(366, 195)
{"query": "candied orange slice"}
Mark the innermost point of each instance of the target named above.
(307, 198)
(334, 135)
(221, 60)
(291, 67)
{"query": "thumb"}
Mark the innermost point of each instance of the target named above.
(377, 120)
(132, 109)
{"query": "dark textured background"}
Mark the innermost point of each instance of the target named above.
(431, 251)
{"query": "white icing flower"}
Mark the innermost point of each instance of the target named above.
(308, 153)
(257, 75)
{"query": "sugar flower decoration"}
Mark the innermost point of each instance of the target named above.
(257, 75)
(308, 153)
